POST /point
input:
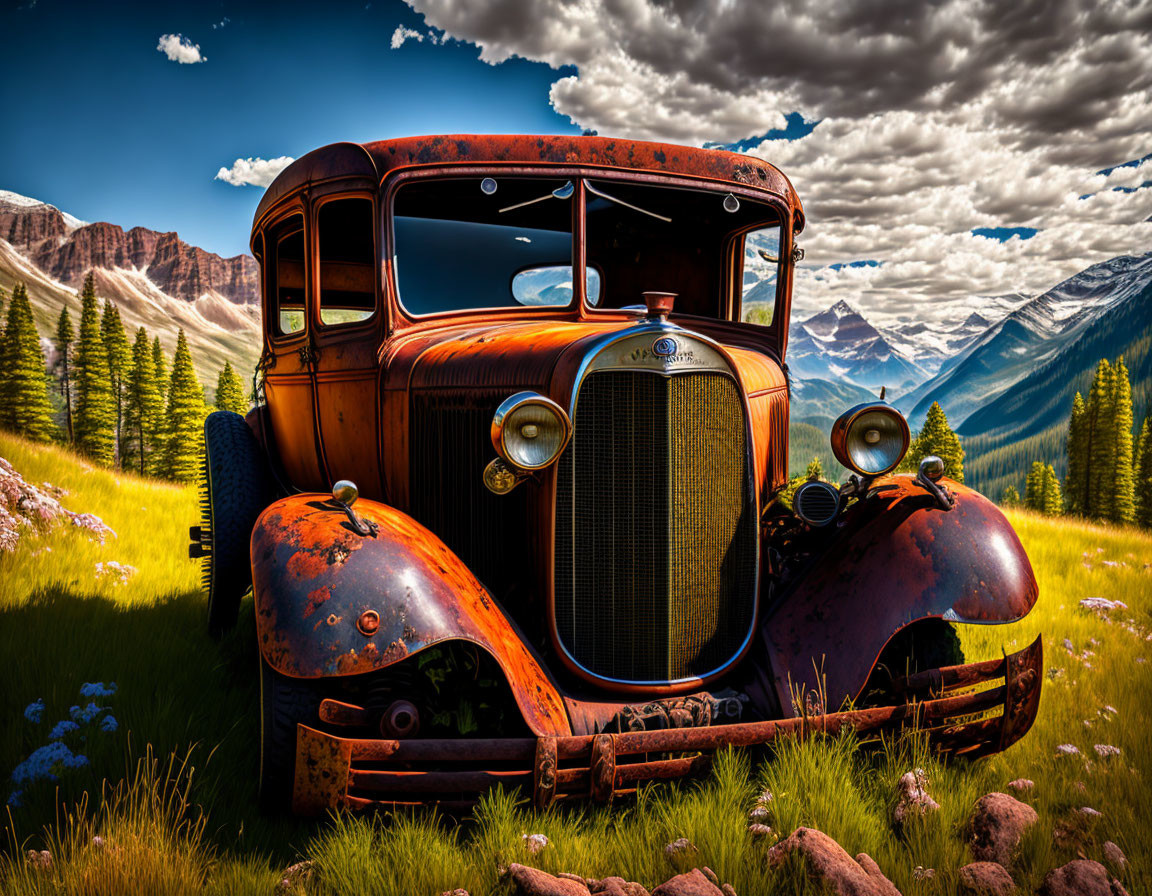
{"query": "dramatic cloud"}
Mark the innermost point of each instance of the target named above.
(934, 120)
(179, 49)
(256, 172)
(402, 34)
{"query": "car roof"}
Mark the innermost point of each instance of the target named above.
(377, 160)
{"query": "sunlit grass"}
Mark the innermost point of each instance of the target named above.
(193, 827)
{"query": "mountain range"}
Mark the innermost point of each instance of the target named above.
(156, 280)
(1005, 375)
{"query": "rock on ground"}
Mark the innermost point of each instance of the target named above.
(1081, 877)
(997, 824)
(534, 882)
(616, 886)
(913, 797)
(692, 883)
(1114, 855)
(829, 864)
(986, 879)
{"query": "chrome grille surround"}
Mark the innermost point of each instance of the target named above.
(656, 569)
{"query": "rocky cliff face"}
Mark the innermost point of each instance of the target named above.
(67, 249)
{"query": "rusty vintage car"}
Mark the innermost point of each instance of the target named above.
(554, 368)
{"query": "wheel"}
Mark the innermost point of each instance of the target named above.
(235, 486)
(284, 703)
(927, 644)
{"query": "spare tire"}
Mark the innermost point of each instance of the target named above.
(235, 487)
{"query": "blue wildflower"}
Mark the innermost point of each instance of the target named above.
(97, 689)
(109, 723)
(76, 760)
(87, 714)
(61, 729)
(15, 799)
(42, 762)
(34, 711)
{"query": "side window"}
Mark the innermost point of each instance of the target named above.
(761, 263)
(347, 262)
(285, 275)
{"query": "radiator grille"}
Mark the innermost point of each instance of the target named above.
(655, 569)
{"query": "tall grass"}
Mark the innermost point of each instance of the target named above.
(182, 818)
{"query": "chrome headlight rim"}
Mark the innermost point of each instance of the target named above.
(515, 402)
(842, 429)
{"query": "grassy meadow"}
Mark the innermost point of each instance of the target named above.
(166, 802)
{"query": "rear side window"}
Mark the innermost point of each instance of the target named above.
(347, 262)
(285, 275)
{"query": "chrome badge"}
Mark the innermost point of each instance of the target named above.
(664, 346)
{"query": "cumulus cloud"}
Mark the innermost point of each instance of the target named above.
(180, 49)
(934, 120)
(257, 172)
(402, 34)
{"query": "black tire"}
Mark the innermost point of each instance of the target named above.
(235, 487)
(284, 703)
(927, 644)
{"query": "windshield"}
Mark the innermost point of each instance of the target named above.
(483, 242)
(650, 237)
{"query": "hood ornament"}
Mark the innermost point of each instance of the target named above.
(659, 304)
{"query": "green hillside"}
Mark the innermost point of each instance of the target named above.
(1029, 422)
(192, 827)
(805, 442)
(161, 315)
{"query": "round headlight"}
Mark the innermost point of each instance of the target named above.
(529, 431)
(870, 439)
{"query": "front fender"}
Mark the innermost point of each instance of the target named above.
(313, 577)
(895, 559)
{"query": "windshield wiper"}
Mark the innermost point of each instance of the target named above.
(591, 189)
(561, 192)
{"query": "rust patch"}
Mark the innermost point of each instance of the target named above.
(316, 599)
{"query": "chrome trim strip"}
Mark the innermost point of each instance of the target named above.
(667, 366)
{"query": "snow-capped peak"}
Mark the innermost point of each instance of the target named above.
(17, 200)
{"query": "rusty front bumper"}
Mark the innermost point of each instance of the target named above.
(338, 772)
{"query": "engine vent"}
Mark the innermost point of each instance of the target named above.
(816, 503)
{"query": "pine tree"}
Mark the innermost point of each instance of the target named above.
(143, 410)
(230, 391)
(64, 338)
(1143, 477)
(1010, 497)
(184, 420)
(936, 437)
(1101, 444)
(1034, 487)
(1074, 482)
(26, 408)
(161, 369)
(1052, 504)
(119, 359)
(1122, 506)
(95, 414)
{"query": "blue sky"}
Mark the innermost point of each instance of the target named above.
(963, 148)
(101, 124)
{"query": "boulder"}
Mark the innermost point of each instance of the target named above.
(914, 800)
(534, 882)
(829, 864)
(616, 886)
(1114, 855)
(985, 879)
(691, 883)
(1081, 877)
(997, 824)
